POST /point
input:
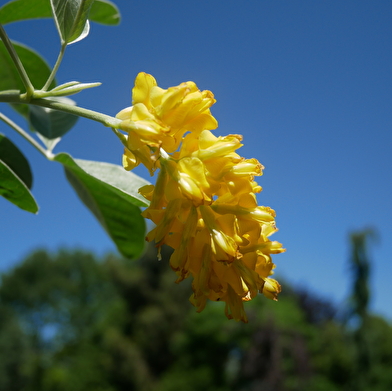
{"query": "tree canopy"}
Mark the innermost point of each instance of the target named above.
(72, 321)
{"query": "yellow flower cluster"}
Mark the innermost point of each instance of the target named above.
(204, 202)
(159, 118)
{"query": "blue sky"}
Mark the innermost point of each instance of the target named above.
(307, 83)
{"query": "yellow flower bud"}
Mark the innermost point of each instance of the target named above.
(271, 289)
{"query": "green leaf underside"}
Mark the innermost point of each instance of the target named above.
(102, 11)
(111, 195)
(15, 160)
(126, 184)
(35, 66)
(14, 190)
(52, 123)
(71, 18)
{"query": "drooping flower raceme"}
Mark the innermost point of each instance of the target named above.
(204, 202)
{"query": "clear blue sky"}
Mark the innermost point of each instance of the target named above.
(307, 83)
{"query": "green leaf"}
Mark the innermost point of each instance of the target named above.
(17, 10)
(15, 160)
(111, 194)
(52, 123)
(14, 190)
(71, 19)
(102, 11)
(105, 12)
(83, 34)
(36, 67)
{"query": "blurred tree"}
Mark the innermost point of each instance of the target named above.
(15, 353)
(359, 301)
(360, 267)
(58, 300)
(70, 321)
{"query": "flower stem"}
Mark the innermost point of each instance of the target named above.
(48, 154)
(104, 119)
(14, 97)
(121, 136)
(18, 64)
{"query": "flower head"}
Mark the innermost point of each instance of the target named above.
(204, 203)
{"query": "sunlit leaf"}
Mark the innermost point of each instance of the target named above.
(52, 123)
(71, 18)
(14, 190)
(83, 34)
(17, 10)
(15, 160)
(111, 194)
(102, 11)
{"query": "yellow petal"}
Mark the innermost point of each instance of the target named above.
(225, 246)
(129, 160)
(234, 306)
(125, 113)
(141, 91)
(171, 212)
(147, 191)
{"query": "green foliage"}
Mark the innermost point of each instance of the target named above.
(19, 10)
(111, 194)
(14, 190)
(17, 357)
(16, 178)
(104, 12)
(360, 267)
(71, 321)
(358, 311)
(50, 123)
(101, 11)
(35, 66)
(16, 161)
(28, 84)
(71, 19)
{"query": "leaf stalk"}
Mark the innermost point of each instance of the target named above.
(55, 68)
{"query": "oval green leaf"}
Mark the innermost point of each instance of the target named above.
(102, 11)
(15, 160)
(14, 190)
(111, 194)
(17, 10)
(51, 123)
(71, 18)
